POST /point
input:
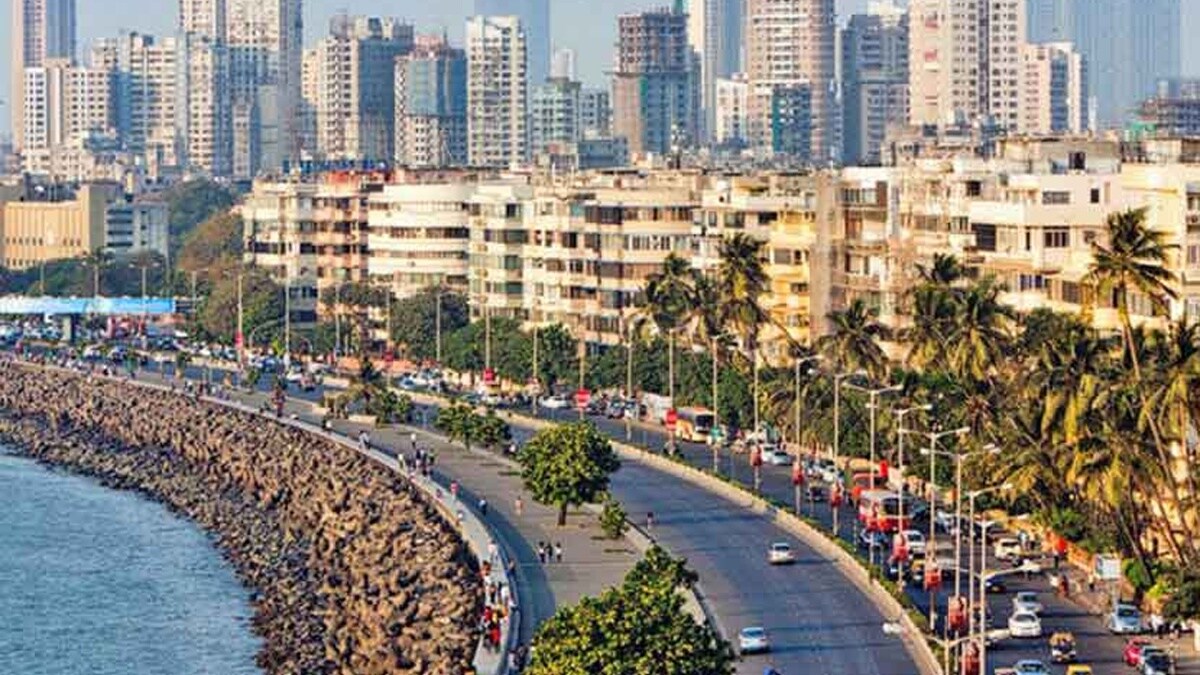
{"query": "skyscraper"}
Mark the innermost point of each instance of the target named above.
(715, 33)
(535, 22)
(1128, 46)
(1054, 97)
(41, 30)
(789, 45)
(874, 80)
(656, 84)
(554, 114)
(965, 61)
(356, 87)
(497, 92)
(206, 118)
(144, 74)
(431, 105)
(264, 38)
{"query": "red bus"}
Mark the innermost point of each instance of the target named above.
(879, 511)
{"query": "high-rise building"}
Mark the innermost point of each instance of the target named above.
(562, 65)
(1129, 45)
(965, 61)
(1054, 96)
(206, 121)
(655, 85)
(431, 105)
(144, 94)
(356, 82)
(264, 39)
(595, 113)
(497, 92)
(874, 80)
(731, 113)
(535, 23)
(790, 44)
(715, 33)
(41, 30)
(1175, 111)
(309, 87)
(65, 103)
(554, 118)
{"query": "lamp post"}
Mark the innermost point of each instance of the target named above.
(837, 435)
(959, 459)
(931, 545)
(900, 414)
(715, 435)
(971, 596)
(983, 587)
(872, 405)
(629, 339)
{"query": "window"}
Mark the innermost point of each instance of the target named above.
(1057, 237)
(1077, 161)
(985, 236)
(1193, 255)
(1095, 195)
(974, 188)
(1055, 197)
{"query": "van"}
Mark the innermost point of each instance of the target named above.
(1007, 548)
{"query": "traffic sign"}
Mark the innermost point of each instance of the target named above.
(672, 418)
(489, 375)
(582, 397)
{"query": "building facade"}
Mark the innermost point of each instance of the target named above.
(419, 236)
(790, 45)
(497, 92)
(1054, 94)
(41, 30)
(554, 114)
(715, 33)
(874, 81)
(656, 95)
(39, 227)
(534, 16)
(431, 105)
(732, 114)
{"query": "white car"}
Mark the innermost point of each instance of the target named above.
(945, 521)
(753, 640)
(776, 456)
(1030, 667)
(556, 402)
(1007, 548)
(1026, 602)
(914, 541)
(780, 553)
(1025, 625)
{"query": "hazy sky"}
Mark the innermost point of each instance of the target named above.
(588, 26)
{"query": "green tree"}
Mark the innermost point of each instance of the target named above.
(567, 465)
(414, 321)
(458, 421)
(492, 431)
(639, 628)
(670, 295)
(262, 305)
(191, 203)
(854, 342)
(613, 518)
(212, 250)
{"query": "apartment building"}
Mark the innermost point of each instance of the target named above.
(42, 30)
(145, 94)
(656, 93)
(64, 102)
(419, 234)
(310, 235)
(874, 80)
(554, 114)
(431, 105)
(731, 115)
(499, 212)
(497, 92)
(1054, 93)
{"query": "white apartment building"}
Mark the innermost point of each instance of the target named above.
(431, 105)
(145, 96)
(41, 30)
(499, 213)
(789, 44)
(356, 92)
(497, 92)
(1054, 93)
(554, 115)
(65, 103)
(418, 235)
(133, 227)
(731, 115)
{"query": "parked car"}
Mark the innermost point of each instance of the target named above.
(995, 584)
(1156, 663)
(753, 640)
(555, 402)
(1124, 620)
(776, 456)
(945, 521)
(1026, 601)
(1025, 625)
(1007, 548)
(780, 553)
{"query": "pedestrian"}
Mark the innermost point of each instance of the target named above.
(519, 505)
(541, 551)
(513, 662)
(412, 437)
(494, 634)
(364, 440)
(1091, 582)
(649, 521)
(483, 506)
(492, 551)
(558, 551)
(454, 489)
(1176, 630)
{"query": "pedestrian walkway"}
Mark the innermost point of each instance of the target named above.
(590, 562)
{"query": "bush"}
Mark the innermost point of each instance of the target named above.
(613, 518)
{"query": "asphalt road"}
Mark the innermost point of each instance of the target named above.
(817, 621)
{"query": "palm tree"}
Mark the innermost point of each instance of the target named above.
(669, 296)
(97, 259)
(1134, 260)
(980, 336)
(933, 314)
(945, 271)
(854, 342)
(742, 283)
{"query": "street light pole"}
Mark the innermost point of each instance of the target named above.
(628, 381)
(714, 436)
(837, 436)
(437, 327)
(900, 432)
(873, 405)
(931, 546)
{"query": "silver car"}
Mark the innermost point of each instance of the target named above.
(1124, 620)
(753, 640)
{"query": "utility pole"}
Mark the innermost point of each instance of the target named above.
(241, 336)
(437, 323)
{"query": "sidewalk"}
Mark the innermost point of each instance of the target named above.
(591, 563)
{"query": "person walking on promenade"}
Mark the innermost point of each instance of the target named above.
(541, 552)
(558, 551)
(412, 437)
(483, 507)
(650, 521)
(519, 506)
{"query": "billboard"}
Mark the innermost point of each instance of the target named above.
(25, 306)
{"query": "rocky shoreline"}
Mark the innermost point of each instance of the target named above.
(350, 572)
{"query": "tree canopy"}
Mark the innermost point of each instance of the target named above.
(567, 465)
(638, 628)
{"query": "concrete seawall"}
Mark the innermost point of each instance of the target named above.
(352, 569)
